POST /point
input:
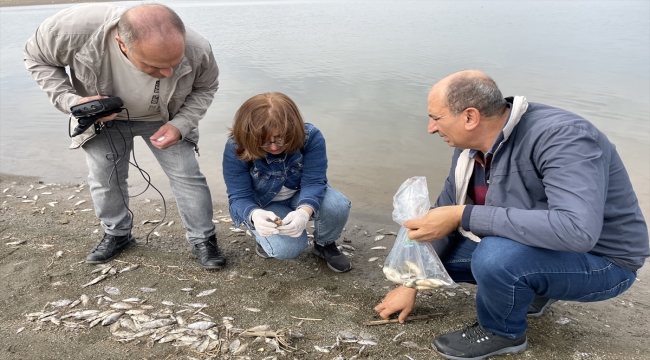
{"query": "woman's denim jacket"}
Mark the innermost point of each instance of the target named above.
(252, 185)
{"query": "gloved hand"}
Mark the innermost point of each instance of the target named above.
(264, 222)
(294, 223)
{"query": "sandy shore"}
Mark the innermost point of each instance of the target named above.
(47, 230)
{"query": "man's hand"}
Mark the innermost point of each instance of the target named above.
(399, 299)
(264, 222)
(165, 137)
(91, 98)
(436, 224)
(294, 223)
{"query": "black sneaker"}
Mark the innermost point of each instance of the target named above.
(475, 343)
(209, 255)
(261, 253)
(108, 248)
(538, 306)
(336, 261)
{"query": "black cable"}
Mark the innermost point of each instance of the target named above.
(115, 158)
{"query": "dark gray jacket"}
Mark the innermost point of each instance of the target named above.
(557, 182)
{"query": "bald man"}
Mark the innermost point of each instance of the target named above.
(166, 76)
(537, 207)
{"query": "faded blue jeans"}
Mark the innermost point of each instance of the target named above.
(509, 274)
(329, 222)
(108, 155)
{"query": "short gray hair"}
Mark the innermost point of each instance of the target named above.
(480, 92)
(165, 22)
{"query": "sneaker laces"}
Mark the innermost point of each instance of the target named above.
(104, 243)
(475, 333)
(213, 250)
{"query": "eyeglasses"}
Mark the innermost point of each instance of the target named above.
(279, 142)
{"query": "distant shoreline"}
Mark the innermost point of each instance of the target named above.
(9, 3)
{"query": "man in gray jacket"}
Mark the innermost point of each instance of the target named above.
(537, 207)
(166, 76)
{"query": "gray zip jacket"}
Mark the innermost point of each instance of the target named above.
(78, 38)
(556, 182)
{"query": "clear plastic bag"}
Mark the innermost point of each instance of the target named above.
(411, 263)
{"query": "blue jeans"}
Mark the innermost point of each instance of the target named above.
(509, 274)
(329, 222)
(108, 155)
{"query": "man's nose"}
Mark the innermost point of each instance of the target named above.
(167, 72)
(432, 128)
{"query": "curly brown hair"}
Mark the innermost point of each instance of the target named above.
(262, 116)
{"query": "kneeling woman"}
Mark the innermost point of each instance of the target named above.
(275, 170)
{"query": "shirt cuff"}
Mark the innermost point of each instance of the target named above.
(467, 214)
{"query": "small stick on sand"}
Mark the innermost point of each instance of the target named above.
(391, 321)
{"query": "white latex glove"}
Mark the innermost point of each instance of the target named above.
(294, 223)
(264, 222)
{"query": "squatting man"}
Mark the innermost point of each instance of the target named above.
(166, 75)
(537, 207)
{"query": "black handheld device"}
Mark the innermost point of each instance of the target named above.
(89, 112)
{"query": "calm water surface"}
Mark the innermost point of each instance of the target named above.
(360, 71)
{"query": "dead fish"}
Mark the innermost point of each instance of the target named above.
(157, 323)
(70, 197)
(366, 342)
(121, 306)
(84, 299)
(136, 312)
(129, 268)
(378, 248)
(201, 325)
(252, 309)
(348, 247)
(237, 230)
(206, 292)
(61, 303)
(58, 254)
(196, 305)
(16, 242)
(147, 289)
(74, 303)
(112, 318)
(321, 349)
(20, 330)
(374, 258)
(379, 237)
(79, 202)
(53, 203)
(132, 300)
(146, 307)
(187, 289)
(112, 290)
(169, 337)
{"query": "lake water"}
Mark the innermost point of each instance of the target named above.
(361, 71)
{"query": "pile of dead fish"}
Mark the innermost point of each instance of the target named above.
(133, 319)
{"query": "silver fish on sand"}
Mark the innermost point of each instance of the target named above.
(95, 280)
(206, 292)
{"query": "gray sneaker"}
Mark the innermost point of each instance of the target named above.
(336, 261)
(259, 250)
(476, 343)
(538, 306)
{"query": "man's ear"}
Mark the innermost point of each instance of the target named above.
(472, 118)
(121, 44)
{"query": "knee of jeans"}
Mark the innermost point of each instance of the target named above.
(493, 257)
(335, 205)
(288, 253)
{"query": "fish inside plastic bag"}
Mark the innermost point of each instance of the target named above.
(410, 263)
